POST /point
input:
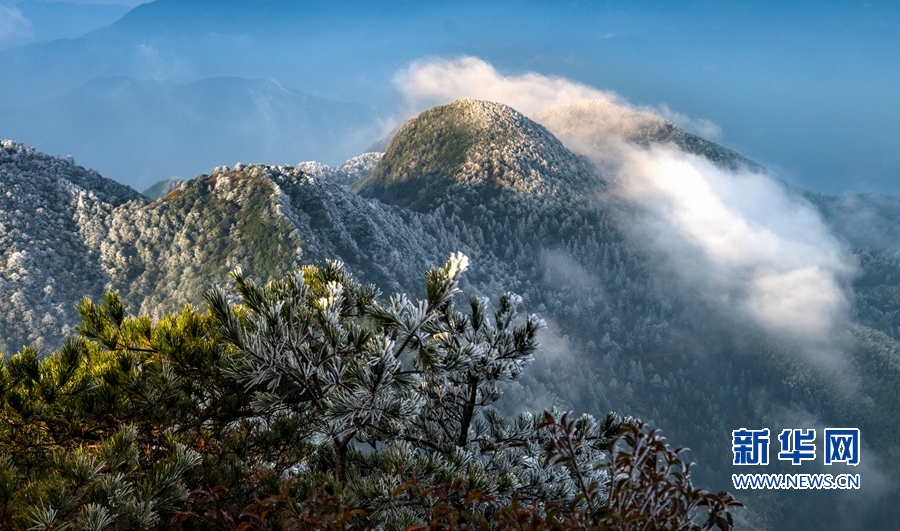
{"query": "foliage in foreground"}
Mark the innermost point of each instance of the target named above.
(308, 403)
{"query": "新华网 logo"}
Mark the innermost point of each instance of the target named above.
(839, 445)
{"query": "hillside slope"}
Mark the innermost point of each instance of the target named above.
(52, 230)
(627, 330)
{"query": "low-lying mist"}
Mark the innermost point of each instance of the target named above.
(733, 234)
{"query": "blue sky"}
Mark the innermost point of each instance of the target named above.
(808, 89)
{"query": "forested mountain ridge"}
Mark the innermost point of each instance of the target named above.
(165, 253)
(625, 331)
(52, 216)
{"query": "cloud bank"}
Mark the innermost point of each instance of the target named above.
(432, 82)
(429, 82)
(743, 239)
(700, 126)
(739, 237)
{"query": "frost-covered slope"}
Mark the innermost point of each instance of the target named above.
(165, 253)
(349, 173)
(535, 219)
(52, 231)
(476, 149)
(66, 233)
(533, 216)
(266, 219)
(628, 334)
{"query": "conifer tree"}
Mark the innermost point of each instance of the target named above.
(310, 403)
(398, 390)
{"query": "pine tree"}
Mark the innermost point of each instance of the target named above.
(397, 390)
(305, 403)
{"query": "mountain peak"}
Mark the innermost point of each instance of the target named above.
(479, 113)
(474, 146)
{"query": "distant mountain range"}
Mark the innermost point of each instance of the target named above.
(140, 131)
(32, 21)
(305, 45)
(540, 208)
(128, 96)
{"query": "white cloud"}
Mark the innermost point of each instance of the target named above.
(743, 239)
(430, 82)
(699, 126)
(740, 238)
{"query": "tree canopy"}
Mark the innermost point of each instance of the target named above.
(311, 403)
